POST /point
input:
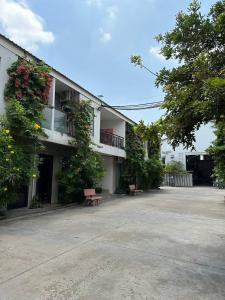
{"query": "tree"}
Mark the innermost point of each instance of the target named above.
(195, 89)
(175, 168)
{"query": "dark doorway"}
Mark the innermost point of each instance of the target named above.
(202, 168)
(44, 183)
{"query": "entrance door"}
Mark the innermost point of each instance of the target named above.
(44, 183)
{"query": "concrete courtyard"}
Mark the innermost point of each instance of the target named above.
(166, 244)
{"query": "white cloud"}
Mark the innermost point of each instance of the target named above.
(22, 25)
(155, 51)
(105, 36)
(112, 12)
(94, 2)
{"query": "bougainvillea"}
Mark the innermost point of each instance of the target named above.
(29, 79)
(26, 94)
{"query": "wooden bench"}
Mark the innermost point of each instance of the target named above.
(133, 190)
(91, 198)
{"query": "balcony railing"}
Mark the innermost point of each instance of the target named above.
(62, 123)
(47, 122)
(111, 139)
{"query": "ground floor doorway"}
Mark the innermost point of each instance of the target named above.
(44, 182)
(202, 168)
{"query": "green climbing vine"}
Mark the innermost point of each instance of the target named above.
(26, 94)
(84, 167)
(142, 165)
(135, 154)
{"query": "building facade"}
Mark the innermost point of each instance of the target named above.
(197, 161)
(108, 129)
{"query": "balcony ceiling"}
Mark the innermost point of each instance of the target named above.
(61, 87)
(107, 115)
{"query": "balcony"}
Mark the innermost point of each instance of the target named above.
(111, 139)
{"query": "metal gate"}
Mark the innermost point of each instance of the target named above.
(178, 180)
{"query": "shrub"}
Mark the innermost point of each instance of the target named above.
(153, 175)
(175, 168)
(14, 165)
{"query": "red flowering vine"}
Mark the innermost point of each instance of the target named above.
(29, 79)
(26, 94)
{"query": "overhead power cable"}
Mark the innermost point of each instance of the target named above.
(136, 106)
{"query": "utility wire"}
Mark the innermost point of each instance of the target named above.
(136, 106)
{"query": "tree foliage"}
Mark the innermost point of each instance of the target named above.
(151, 134)
(175, 168)
(217, 150)
(194, 90)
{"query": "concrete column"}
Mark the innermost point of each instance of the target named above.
(97, 125)
(55, 172)
(109, 179)
(52, 102)
(31, 191)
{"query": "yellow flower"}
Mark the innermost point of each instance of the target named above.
(7, 159)
(9, 146)
(37, 126)
(7, 131)
(5, 189)
(12, 152)
(34, 175)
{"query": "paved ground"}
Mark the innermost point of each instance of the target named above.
(168, 244)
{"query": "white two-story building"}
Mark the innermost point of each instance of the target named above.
(108, 134)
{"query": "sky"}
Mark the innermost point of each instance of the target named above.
(91, 42)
